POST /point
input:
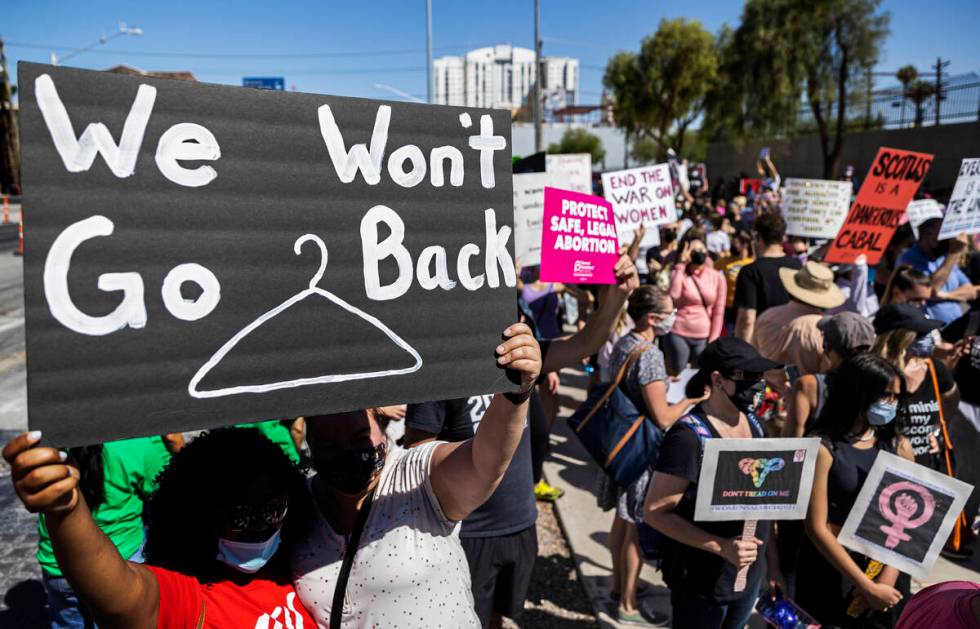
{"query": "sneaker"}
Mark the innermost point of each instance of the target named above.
(547, 493)
(635, 618)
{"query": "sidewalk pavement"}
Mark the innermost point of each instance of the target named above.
(587, 528)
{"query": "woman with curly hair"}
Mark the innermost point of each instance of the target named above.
(223, 505)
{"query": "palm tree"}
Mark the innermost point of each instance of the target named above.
(905, 75)
(919, 92)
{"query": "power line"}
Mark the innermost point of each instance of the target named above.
(245, 55)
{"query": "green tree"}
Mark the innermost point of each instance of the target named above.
(580, 141)
(659, 92)
(622, 79)
(906, 75)
(785, 50)
(919, 92)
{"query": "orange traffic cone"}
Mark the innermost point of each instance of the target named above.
(20, 239)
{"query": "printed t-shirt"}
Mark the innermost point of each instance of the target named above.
(262, 603)
(686, 568)
(923, 411)
(130, 467)
(730, 266)
(511, 508)
(410, 569)
(278, 433)
(649, 367)
(758, 285)
(967, 377)
(945, 311)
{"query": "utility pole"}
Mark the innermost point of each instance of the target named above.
(9, 137)
(867, 99)
(538, 140)
(430, 75)
(940, 64)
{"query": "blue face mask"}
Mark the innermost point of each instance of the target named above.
(881, 413)
(922, 347)
(248, 557)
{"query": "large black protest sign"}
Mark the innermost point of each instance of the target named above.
(903, 514)
(756, 479)
(199, 255)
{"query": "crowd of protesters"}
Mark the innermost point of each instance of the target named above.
(425, 516)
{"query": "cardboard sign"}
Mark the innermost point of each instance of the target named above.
(963, 215)
(746, 184)
(756, 479)
(920, 211)
(579, 243)
(815, 208)
(891, 183)
(903, 514)
(578, 167)
(640, 196)
(529, 213)
(177, 274)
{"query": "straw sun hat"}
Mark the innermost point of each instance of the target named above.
(813, 285)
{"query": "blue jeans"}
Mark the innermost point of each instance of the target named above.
(692, 611)
(65, 610)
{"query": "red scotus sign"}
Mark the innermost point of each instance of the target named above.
(891, 183)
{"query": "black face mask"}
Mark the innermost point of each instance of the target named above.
(352, 470)
(698, 257)
(746, 392)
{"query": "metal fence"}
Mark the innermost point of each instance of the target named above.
(959, 102)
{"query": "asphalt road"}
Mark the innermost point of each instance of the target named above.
(23, 599)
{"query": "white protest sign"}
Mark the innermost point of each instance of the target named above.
(578, 167)
(756, 479)
(815, 208)
(903, 514)
(529, 212)
(640, 196)
(921, 211)
(963, 211)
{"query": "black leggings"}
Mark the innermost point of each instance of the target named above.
(540, 434)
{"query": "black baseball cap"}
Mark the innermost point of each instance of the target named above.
(904, 317)
(730, 354)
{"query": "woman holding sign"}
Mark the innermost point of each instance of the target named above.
(703, 558)
(223, 505)
(858, 420)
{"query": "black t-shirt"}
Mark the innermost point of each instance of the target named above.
(688, 568)
(922, 412)
(511, 508)
(966, 376)
(758, 285)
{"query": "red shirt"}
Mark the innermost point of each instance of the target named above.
(261, 603)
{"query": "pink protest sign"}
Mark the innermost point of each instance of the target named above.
(578, 239)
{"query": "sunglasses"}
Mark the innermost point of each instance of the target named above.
(249, 517)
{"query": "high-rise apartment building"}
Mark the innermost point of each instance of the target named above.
(503, 77)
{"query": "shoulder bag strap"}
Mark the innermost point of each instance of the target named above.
(634, 355)
(942, 416)
(700, 294)
(200, 619)
(337, 608)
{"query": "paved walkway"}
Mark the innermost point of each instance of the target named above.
(587, 528)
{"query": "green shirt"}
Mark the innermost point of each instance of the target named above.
(130, 467)
(278, 433)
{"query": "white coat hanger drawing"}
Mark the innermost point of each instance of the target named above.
(194, 391)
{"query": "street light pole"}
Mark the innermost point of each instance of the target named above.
(430, 75)
(538, 144)
(123, 30)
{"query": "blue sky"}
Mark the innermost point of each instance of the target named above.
(383, 41)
